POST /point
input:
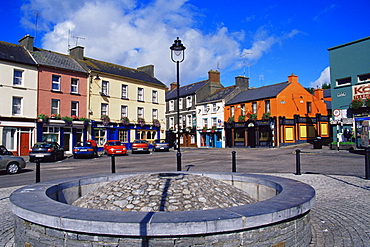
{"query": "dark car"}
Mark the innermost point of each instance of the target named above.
(114, 147)
(46, 151)
(140, 146)
(85, 149)
(4, 151)
(161, 145)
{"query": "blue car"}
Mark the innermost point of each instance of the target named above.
(85, 149)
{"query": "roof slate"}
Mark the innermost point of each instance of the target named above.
(109, 68)
(264, 92)
(185, 90)
(15, 53)
(57, 60)
(219, 94)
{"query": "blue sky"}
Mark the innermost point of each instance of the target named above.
(265, 40)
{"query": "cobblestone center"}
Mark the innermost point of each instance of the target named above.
(164, 192)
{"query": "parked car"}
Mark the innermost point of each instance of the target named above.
(85, 149)
(161, 145)
(4, 151)
(140, 146)
(46, 151)
(12, 164)
(114, 147)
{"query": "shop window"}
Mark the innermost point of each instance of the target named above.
(50, 134)
(9, 137)
(239, 135)
(289, 134)
(99, 135)
(123, 135)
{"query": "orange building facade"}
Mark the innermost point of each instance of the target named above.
(275, 115)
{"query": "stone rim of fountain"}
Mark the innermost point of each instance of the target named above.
(38, 203)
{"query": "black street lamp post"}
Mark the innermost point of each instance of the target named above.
(177, 56)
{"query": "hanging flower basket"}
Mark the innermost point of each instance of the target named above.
(141, 121)
(253, 116)
(105, 119)
(231, 120)
(42, 118)
(357, 103)
(125, 120)
(156, 123)
(241, 118)
(266, 115)
(67, 120)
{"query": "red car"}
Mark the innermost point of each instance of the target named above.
(114, 147)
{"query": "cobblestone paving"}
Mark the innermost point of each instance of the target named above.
(340, 216)
(164, 192)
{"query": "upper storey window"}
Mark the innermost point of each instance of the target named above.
(55, 83)
(17, 79)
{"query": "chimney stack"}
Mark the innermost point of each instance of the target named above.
(214, 76)
(27, 42)
(242, 82)
(149, 69)
(77, 52)
(293, 78)
(173, 86)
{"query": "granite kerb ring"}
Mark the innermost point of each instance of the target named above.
(48, 204)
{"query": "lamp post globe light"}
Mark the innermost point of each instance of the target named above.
(177, 56)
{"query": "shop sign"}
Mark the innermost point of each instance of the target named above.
(361, 91)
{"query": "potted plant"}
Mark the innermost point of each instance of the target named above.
(43, 117)
(231, 119)
(266, 115)
(357, 103)
(253, 116)
(156, 123)
(67, 120)
(141, 121)
(125, 120)
(85, 120)
(241, 118)
(213, 129)
(105, 119)
(342, 145)
(204, 129)
(367, 102)
(55, 116)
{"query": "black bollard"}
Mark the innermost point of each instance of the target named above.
(298, 162)
(178, 161)
(367, 164)
(113, 163)
(37, 171)
(233, 155)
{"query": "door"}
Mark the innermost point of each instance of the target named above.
(25, 144)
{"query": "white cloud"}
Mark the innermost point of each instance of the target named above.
(324, 78)
(133, 34)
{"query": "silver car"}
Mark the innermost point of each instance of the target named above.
(12, 164)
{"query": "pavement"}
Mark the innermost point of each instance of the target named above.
(340, 216)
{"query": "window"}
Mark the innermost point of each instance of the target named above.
(17, 106)
(243, 109)
(254, 107)
(74, 85)
(155, 114)
(205, 109)
(124, 92)
(55, 83)
(50, 134)
(123, 135)
(123, 111)
(214, 121)
(99, 135)
(180, 104)
(172, 120)
(232, 111)
(188, 121)
(140, 112)
(188, 102)
(214, 108)
(343, 81)
(364, 78)
(172, 105)
(140, 94)
(55, 104)
(267, 106)
(309, 107)
(104, 109)
(105, 88)
(205, 122)
(17, 80)
(74, 108)
(155, 96)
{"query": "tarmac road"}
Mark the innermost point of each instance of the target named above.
(340, 216)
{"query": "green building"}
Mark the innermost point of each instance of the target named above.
(350, 89)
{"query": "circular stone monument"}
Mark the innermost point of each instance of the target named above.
(164, 209)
